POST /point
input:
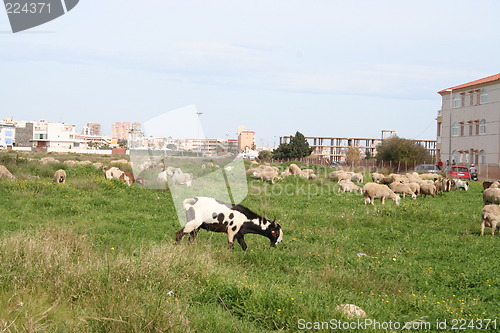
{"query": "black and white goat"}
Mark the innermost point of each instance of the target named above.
(235, 220)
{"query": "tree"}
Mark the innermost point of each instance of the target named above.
(353, 154)
(122, 143)
(297, 148)
(404, 150)
(265, 156)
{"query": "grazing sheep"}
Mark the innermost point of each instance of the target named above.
(70, 163)
(439, 186)
(47, 160)
(5, 173)
(415, 187)
(413, 177)
(348, 186)
(486, 185)
(377, 177)
(432, 176)
(294, 169)
(98, 165)
(286, 173)
(427, 189)
(114, 172)
(357, 178)
(374, 191)
(495, 184)
(180, 178)
(490, 217)
(491, 196)
(162, 177)
(403, 189)
(60, 176)
(397, 178)
(308, 173)
(267, 175)
(385, 181)
(461, 184)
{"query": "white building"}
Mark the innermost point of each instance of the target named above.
(7, 133)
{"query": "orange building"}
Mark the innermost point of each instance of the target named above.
(246, 139)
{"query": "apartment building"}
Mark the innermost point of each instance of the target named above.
(468, 124)
(122, 131)
(43, 135)
(335, 148)
(7, 133)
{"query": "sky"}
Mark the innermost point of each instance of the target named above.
(321, 67)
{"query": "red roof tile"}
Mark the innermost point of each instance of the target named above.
(474, 83)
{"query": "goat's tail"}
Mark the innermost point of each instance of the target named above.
(189, 202)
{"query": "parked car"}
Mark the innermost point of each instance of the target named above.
(457, 171)
(427, 168)
(335, 164)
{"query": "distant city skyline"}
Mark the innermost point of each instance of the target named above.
(328, 68)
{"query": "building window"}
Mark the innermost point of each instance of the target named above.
(477, 127)
(482, 157)
(471, 96)
(456, 128)
(462, 129)
(482, 126)
(456, 100)
(484, 96)
(462, 99)
(454, 156)
(471, 129)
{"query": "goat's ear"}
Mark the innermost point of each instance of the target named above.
(265, 217)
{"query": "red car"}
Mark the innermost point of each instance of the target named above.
(456, 171)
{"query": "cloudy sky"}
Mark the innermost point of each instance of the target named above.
(322, 67)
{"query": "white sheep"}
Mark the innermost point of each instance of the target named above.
(294, 169)
(397, 178)
(377, 177)
(403, 189)
(357, 177)
(268, 175)
(491, 196)
(461, 184)
(60, 176)
(308, 173)
(427, 189)
(348, 186)
(415, 187)
(374, 191)
(490, 217)
(180, 178)
(495, 184)
(5, 173)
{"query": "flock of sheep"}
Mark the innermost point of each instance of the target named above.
(392, 186)
(271, 173)
(490, 215)
(381, 187)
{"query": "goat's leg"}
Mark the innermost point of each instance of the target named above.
(192, 235)
(241, 240)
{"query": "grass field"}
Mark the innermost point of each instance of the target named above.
(94, 255)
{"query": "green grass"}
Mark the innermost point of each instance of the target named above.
(94, 255)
